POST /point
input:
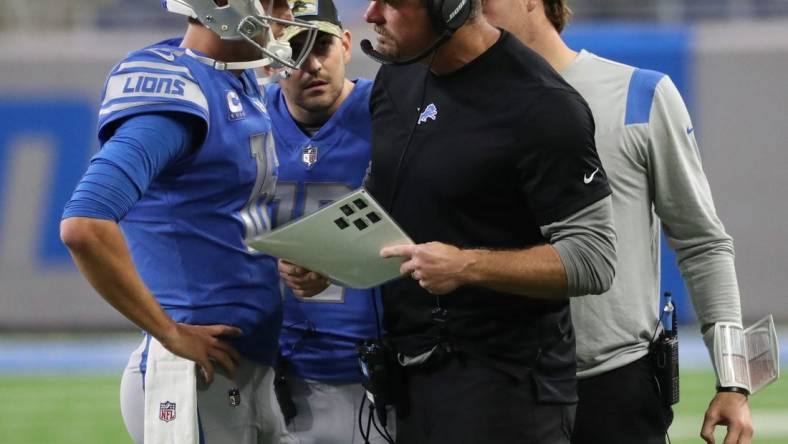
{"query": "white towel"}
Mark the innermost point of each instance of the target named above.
(170, 398)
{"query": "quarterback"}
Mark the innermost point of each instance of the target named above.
(158, 223)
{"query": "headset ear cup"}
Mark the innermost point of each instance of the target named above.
(435, 10)
(451, 14)
(448, 15)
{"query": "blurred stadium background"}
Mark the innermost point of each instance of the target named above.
(62, 348)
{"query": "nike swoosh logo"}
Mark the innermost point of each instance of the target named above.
(588, 179)
(166, 56)
(690, 130)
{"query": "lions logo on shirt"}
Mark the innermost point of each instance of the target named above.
(430, 113)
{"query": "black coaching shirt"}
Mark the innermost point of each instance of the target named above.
(481, 158)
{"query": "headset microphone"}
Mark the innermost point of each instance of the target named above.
(369, 50)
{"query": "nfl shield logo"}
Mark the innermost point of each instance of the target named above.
(309, 156)
(167, 411)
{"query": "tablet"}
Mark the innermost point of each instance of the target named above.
(341, 241)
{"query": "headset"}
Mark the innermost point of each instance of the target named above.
(447, 16)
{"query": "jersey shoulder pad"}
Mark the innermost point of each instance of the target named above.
(365, 87)
(153, 79)
(358, 114)
(271, 91)
(276, 107)
(362, 94)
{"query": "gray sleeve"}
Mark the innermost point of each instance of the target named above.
(683, 202)
(586, 244)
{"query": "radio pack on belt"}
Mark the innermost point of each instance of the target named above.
(282, 389)
(378, 368)
(665, 356)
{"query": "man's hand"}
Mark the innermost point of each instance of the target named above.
(201, 344)
(729, 409)
(304, 283)
(439, 268)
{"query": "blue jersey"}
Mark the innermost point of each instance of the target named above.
(187, 232)
(319, 334)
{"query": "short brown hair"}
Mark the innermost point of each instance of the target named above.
(558, 13)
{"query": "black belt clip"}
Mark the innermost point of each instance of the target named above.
(665, 357)
(282, 389)
(439, 316)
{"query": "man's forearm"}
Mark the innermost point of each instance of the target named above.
(579, 259)
(586, 244)
(99, 250)
(536, 271)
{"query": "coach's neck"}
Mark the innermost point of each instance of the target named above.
(467, 43)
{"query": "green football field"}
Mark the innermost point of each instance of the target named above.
(84, 410)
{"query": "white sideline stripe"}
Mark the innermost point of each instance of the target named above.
(154, 65)
(771, 424)
(122, 106)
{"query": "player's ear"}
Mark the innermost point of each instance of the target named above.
(347, 45)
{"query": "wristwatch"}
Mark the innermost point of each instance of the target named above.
(734, 389)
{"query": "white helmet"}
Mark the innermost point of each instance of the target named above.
(246, 19)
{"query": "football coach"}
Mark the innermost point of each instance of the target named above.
(486, 158)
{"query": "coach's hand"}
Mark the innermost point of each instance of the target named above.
(304, 283)
(729, 409)
(438, 267)
(201, 344)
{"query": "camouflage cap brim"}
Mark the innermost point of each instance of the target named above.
(327, 27)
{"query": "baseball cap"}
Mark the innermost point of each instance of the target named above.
(321, 13)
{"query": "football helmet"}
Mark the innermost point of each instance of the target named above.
(247, 20)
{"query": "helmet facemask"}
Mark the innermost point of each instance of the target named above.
(248, 20)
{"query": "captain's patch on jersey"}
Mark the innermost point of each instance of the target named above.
(235, 106)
